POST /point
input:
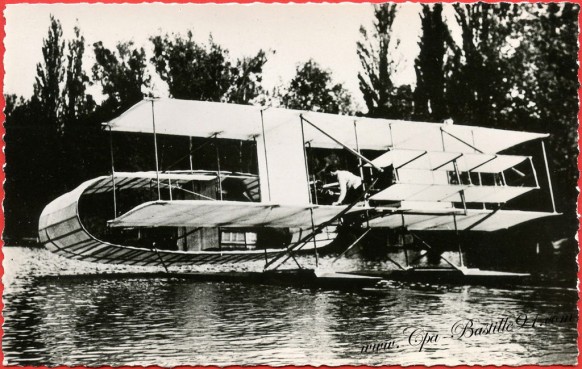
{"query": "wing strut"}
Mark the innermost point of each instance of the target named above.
(217, 151)
(303, 143)
(265, 152)
(352, 245)
(428, 249)
(285, 255)
(549, 177)
(155, 249)
(112, 173)
(458, 239)
(359, 158)
(156, 151)
(314, 241)
(461, 141)
(341, 144)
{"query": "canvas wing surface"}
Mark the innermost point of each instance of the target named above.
(472, 220)
(225, 214)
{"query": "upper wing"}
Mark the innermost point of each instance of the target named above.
(243, 122)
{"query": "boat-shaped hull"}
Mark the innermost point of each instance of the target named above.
(62, 232)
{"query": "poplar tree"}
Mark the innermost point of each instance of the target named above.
(434, 43)
(383, 99)
(50, 75)
(77, 104)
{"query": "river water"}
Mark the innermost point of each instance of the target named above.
(62, 312)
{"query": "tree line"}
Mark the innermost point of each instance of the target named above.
(511, 66)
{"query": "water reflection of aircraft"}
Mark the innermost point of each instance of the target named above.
(424, 177)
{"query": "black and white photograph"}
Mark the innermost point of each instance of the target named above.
(290, 184)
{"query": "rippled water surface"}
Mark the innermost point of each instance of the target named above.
(52, 319)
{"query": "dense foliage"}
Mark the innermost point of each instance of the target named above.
(206, 72)
(312, 88)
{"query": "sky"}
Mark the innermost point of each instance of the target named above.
(296, 32)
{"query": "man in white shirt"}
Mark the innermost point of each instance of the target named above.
(350, 185)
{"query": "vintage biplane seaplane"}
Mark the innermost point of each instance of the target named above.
(417, 177)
